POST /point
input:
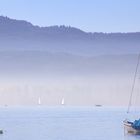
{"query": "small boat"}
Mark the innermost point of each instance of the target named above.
(98, 105)
(63, 101)
(39, 101)
(1, 131)
(132, 127)
(128, 126)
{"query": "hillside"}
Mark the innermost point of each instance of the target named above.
(22, 35)
(60, 61)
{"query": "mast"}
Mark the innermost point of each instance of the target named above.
(133, 84)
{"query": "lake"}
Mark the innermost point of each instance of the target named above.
(64, 123)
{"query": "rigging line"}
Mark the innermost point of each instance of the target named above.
(137, 94)
(133, 85)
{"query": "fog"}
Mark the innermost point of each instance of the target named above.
(86, 81)
(65, 62)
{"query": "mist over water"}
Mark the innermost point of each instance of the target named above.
(60, 82)
(58, 62)
(81, 80)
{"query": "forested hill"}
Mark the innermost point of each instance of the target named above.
(22, 35)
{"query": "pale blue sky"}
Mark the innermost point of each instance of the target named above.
(88, 15)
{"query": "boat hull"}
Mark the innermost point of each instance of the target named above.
(128, 127)
(1, 131)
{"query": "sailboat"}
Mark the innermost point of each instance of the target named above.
(128, 126)
(132, 127)
(63, 101)
(39, 101)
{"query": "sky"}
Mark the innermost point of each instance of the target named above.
(88, 15)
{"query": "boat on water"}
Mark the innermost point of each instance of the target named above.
(63, 101)
(1, 131)
(132, 127)
(98, 105)
(39, 101)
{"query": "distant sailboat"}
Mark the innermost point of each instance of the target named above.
(63, 101)
(39, 101)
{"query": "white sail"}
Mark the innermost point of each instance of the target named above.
(63, 101)
(39, 101)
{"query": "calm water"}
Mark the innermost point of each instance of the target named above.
(63, 123)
